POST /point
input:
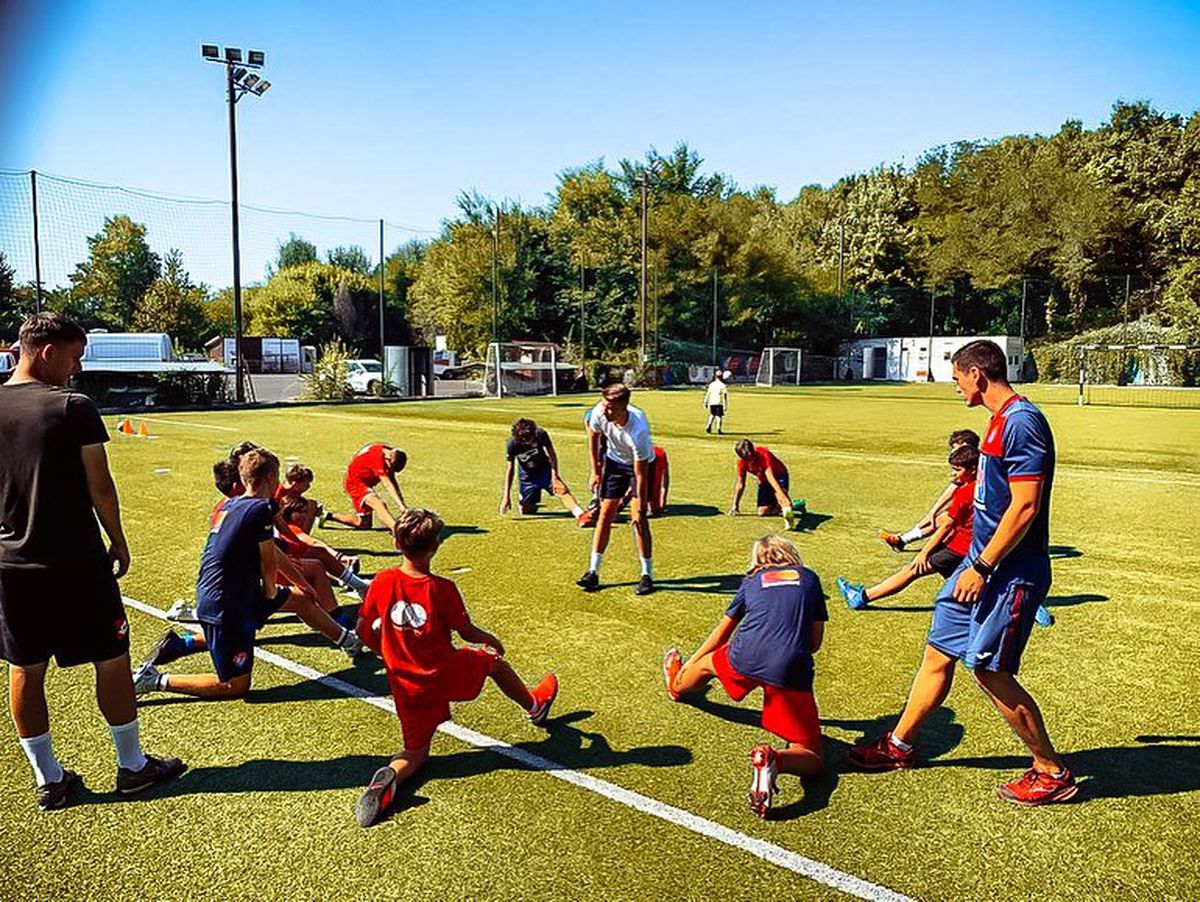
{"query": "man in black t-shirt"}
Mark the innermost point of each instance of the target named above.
(58, 593)
(531, 454)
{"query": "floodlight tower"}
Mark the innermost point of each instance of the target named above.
(239, 81)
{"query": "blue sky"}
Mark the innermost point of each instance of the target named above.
(389, 109)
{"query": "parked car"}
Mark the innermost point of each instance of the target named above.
(364, 376)
(8, 363)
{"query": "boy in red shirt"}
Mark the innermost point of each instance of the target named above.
(772, 476)
(660, 483)
(372, 465)
(407, 618)
(949, 544)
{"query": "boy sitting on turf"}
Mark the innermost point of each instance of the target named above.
(946, 548)
(767, 638)
(407, 619)
(293, 522)
(236, 592)
(898, 541)
(372, 465)
(531, 455)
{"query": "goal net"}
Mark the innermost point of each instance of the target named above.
(527, 368)
(779, 366)
(1140, 375)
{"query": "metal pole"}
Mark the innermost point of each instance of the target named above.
(582, 319)
(1024, 290)
(239, 367)
(657, 323)
(929, 368)
(37, 245)
(382, 343)
(495, 280)
(553, 371)
(642, 285)
(1125, 326)
(841, 253)
(714, 319)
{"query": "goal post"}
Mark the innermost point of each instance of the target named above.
(779, 366)
(1148, 375)
(526, 368)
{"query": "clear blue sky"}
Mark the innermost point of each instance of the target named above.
(389, 109)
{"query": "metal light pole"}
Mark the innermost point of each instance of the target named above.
(642, 289)
(714, 318)
(1024, 292)
(929, 368)
(239, 82)
(841, 255)
(1125, 325)
(582, 318)
(496, 282)
(382, 342)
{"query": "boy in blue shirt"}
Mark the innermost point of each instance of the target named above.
(767, 638)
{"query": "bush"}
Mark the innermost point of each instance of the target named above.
(327, 381)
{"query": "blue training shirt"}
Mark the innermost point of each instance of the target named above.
(1017, 446)
(230, 579)
(775, 609)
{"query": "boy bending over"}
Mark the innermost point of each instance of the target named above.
(372, 465)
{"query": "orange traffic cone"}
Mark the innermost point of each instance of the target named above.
(125, 427)
(143, 430)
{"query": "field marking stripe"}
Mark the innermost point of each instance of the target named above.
(777, 855)
(157, 419)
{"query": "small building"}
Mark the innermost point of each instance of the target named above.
(909, 359)
(264, 354)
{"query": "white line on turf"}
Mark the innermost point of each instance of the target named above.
(777, 855)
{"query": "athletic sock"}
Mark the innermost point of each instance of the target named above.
(353, 581)
(46, 768)
(189, 641)
(903, 746)
(163, 683)
(647, 566)
(911, 536)
(576, 511)
(596, 560)
(129, 745)
(347, 638)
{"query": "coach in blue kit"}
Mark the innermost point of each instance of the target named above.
(985, 611)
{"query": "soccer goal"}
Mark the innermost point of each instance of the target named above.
(526, 368)
(779, 366)
(1140, 375)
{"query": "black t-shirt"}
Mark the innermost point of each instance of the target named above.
(230, 578)
(46, 515)
(531, 458)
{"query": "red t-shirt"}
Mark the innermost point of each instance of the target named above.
(285, 491)
(408, 620)
(962, 517)
(367, 467)
(762, 461)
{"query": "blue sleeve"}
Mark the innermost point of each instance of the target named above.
(817, 598)
(262, 521)
(510, 448)
(737, 607)
(1028, 446)
(544, 438)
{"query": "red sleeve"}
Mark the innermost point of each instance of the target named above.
(961, 502)
(450, 602)
(379, 465)
(741, 467)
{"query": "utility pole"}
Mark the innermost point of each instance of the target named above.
(382, 343)
(1125, 327)
(714, 319)
(496, 279)
(642, 292)
(656, 321)
(37, 244)
(582, 317)
(239, 392)
(1024, 291)
(841, 256)
(929, 368)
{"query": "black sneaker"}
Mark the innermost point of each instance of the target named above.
(376, 798)
(171, 647)
(645, 586)
(157, 770)
(589, 582)
(56, 795)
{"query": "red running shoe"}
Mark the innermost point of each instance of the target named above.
(1037, 788)
(882, 754)
(765, 761)
(543, 694)
(892, 540)
(584, 520)
(671, 665)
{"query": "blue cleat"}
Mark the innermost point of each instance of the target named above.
(1043, 617)
(853, 594)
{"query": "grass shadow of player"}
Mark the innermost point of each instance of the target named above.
(809, 520)
(1066, 601)
(1064, 552)
(449, 531)
(692, 510)
(714, 583)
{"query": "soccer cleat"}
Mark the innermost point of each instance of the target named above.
(376, 798)
(892, 540)
(1037, 788)
(800, 506)
(855, 596)
(765, 761)
(351, 562)
(584, 520)
(345, 616)
(589, 582)
(57, 794)
(1043, 617)
(350, 643)
(672, 663)
(145, 679)
(544, 694)
(171, 647)
(155, 771)
(882, 754)
(645, 586)
(789, 519)
(182, 611)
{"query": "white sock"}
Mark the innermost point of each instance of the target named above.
(354, 581)
(347, 638)
(164, 682)
(710, 422)
(911, 536)
(46, 768)
(647, 567)
(596, 560)
(129, 745)
(576, 511)
(903, 746)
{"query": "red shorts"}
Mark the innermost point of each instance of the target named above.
(358, 491)
(790, 714)
(460, 680)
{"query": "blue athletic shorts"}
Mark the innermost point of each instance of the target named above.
(990, 634)
(618, 478)
(766, 494)
(531, 487)
(231, 643)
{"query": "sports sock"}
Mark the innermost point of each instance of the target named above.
(647, 566)
(708, 428)
(129, 745)
(903, 746)
(189, 641)
(347, 638)
(354, 581)
(163, 683)
(46, 768)
(576, 511)
(596, 560)
(911, 536)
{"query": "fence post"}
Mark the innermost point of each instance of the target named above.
(37, 243)
(1082, 358)
(554, 371)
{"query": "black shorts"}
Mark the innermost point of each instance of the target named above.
(717, 410)
(945, 561)
(617, 480)
(73, 613)
(231, 643)
(766, 494)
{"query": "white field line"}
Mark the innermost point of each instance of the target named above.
(777, 855)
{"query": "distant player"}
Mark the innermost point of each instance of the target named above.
(773, 482)
(407, 619)
(372, 465)
(984, 613)
(946, 548)
(767, 638)
(531, 454)
(927, 523)
(623, 431)
(236, 591)
(660, 483)
(716, 399)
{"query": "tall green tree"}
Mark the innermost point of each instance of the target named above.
(107, 287)
(173, 304)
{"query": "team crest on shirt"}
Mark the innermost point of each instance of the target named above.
(770, 579)
(239, 660)
(408, 616)
(122, 628)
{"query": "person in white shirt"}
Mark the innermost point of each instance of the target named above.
(626, 458)
(716, 399)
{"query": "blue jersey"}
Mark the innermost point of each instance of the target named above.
(775, 609)
(230, 579)
(1017, 446)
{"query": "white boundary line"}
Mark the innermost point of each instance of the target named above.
(777, 855)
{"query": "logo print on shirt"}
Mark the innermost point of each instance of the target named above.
(408, 616)
(239, 660)
(218, 520)
(122, 626)
(773, 578)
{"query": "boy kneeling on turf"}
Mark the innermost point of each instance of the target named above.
(406, 619)
(767, 638)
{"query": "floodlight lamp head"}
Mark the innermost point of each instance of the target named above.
(210, 51)
(249, 80)
(261, 88)
(256, 58)
(239, 74)
(233, 54)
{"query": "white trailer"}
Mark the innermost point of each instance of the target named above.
(910, 359)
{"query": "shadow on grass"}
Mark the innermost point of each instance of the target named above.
(1052, 601)
(1063, 552)
(715, 583)
(449, 531)
(809, 521)
(692, 510)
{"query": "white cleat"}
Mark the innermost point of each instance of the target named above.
(145, 679)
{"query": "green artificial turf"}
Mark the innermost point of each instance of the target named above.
(266, 810)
